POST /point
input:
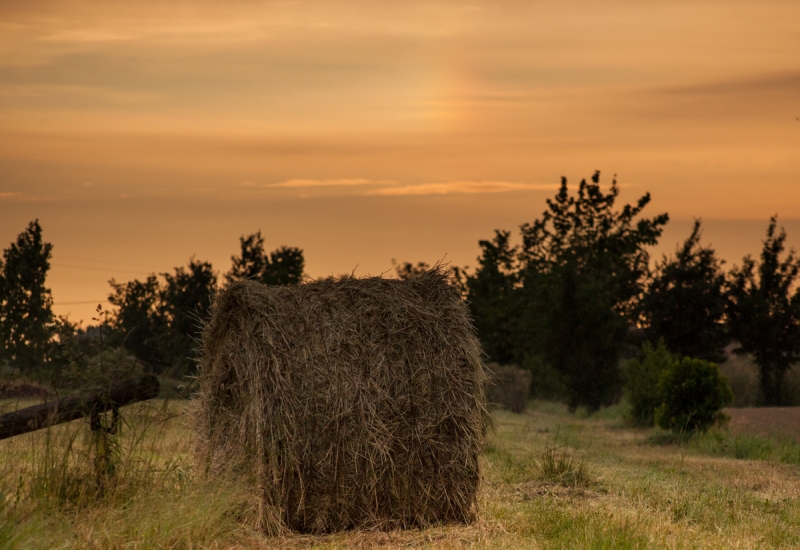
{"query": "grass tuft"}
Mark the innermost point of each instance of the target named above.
(559, 465)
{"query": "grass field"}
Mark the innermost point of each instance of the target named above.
(551, 480)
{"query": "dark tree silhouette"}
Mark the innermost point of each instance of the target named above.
(492, 297)
(283, 266)
(566, 297)
(685, 303)
(186, 297)
(583, 266)
(764, 312)
(139, 322)
(160, 323)
(26, 315)
(407, 270)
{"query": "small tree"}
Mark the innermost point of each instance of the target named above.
(685, 303)
(159, 323)
(693, 393)
(186, 297)
(764, 312)
(283, 266)
(407, 270)
(139, 324)
(26, 315)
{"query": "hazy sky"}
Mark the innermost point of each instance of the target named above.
(141, 133)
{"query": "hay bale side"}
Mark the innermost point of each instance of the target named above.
(353, 402)
(508, 387)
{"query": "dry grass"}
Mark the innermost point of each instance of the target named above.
(636, 495)
(349, 403)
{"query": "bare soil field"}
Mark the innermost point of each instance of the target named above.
(766, 421)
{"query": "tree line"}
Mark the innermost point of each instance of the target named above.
(155, 322)
(578, 293)
(568, 299)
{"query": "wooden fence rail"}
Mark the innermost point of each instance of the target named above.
(86, 403)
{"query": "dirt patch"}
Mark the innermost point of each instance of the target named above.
(765, 421)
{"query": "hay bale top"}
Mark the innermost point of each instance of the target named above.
(356, 402)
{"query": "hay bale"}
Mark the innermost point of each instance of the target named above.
(354, 402)
(508, 387)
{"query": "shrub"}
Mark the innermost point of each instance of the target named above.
(643, 374)
(693, 393)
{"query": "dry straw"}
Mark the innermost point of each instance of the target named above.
(352, 402)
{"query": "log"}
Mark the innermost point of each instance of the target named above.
(79, 405)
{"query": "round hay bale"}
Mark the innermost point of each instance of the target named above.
(352, 402)
(508, 387)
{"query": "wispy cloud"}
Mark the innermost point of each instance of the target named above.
(46, 91)
(463, 187)
(303, 183)
(784, 83)
(16, 196)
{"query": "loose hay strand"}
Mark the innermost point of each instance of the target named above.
(352, 402)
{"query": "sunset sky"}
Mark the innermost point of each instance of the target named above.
(142, 133)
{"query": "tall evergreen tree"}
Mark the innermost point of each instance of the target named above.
(686, 301)
(26, 315)
(583, 266)
(764, 312)
(566, 297)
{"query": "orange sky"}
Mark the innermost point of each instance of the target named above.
(140, 133)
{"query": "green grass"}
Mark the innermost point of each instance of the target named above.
(749, 447)
(551, 480)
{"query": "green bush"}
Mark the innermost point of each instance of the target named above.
(643, 374)
(693, 393)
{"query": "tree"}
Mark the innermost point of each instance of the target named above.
(685, 303)
(26, 315)
(160, 322)
(491, 293)
(692, 394)
(186, 297)
(407, 270)
(139, 324)
(283, 266)
(764, 312)
(582, 268)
